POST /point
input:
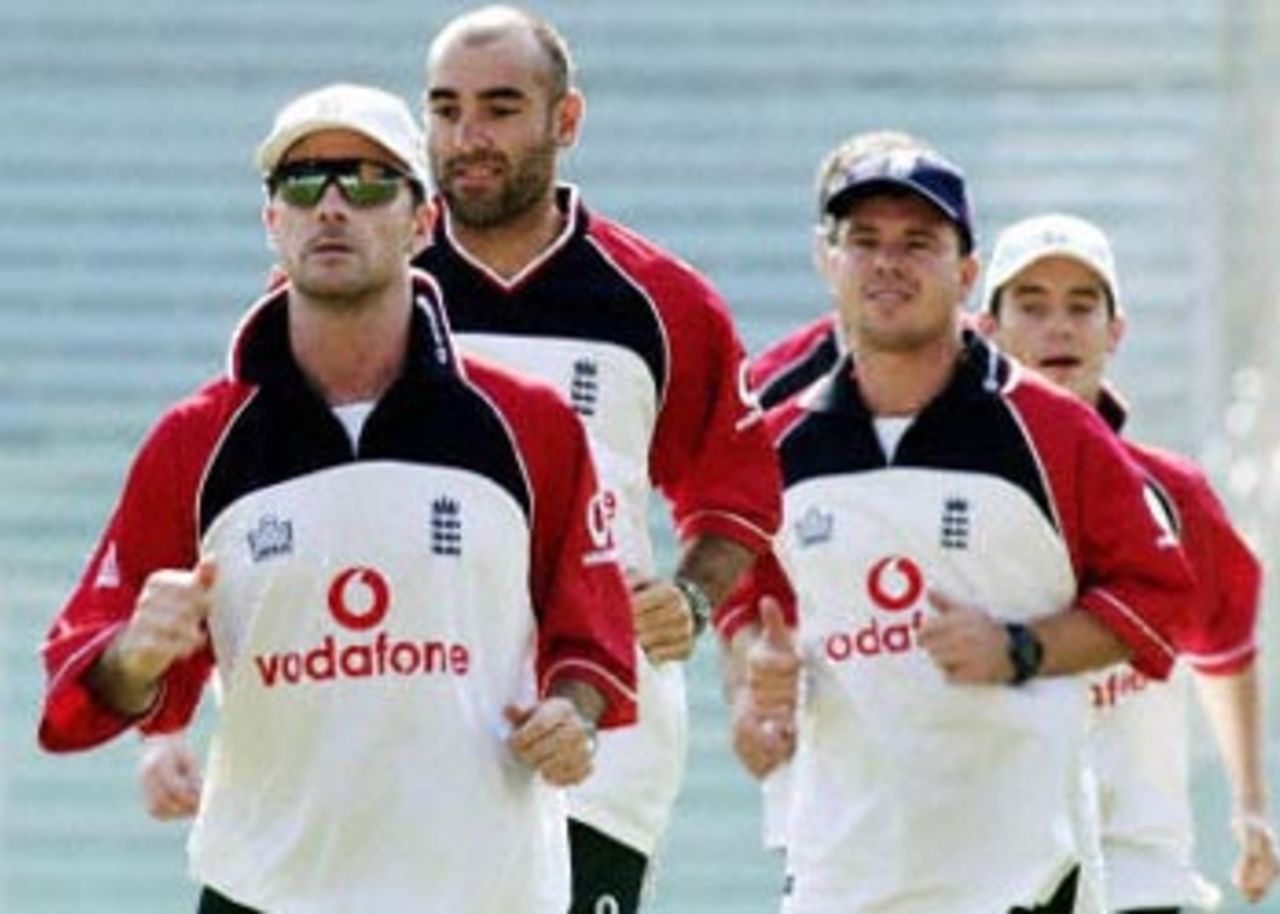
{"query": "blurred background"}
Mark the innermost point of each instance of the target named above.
(130, 243)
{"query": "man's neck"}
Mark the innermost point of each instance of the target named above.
(508, 248)
(902, 383)
(351, 353)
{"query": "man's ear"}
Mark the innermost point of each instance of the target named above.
(270, 221)
(1116, 328)
(424, 222)
(567, 117)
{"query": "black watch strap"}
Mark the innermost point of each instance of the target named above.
(698, 601)
(1026, 653)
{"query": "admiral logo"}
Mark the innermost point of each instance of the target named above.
(270, 538)
(895, 585)
(1119, 684)
(446, 526)
(584, 388)
(108, 575)
(815, 526)
(601, 512)
(955, 524)
(359, 600)
(748, 397)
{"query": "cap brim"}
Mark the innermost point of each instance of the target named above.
(274, 148)
(842, 199)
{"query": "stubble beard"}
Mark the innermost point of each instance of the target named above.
(522, 191)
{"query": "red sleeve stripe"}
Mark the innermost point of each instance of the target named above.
(1135, 623)
(563, 669)
(1227, 661)
(739, 529)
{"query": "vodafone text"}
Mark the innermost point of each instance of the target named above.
(360, 599)
(874, 639)
(1118, 684)
(363, 660)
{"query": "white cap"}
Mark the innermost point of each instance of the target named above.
(1050, 235)
(378, 115)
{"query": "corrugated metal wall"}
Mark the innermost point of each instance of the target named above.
(129, 242)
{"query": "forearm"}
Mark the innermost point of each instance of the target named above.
(1075, 641)
(715, 564)
(120, 685)
(1233, 706)
(586, 699)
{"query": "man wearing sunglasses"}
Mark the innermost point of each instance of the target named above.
(395, 560)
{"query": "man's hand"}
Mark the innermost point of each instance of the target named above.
(169, 776)
(663, 621)
(773, 666)
(760, 743)
(167, 625)
(1259, 861)
(966, 644)
(765, 697)
(552, 738)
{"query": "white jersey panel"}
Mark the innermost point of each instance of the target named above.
(612, 390)
(1140, 754)
(880, 724)
(637, 769)
(367, 650)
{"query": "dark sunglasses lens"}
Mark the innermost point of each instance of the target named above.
(361, 191)
(303, 190)
(363, 184)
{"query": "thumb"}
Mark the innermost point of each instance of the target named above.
(941, 602)
(776, 632)
(516, 715)
(206, 571)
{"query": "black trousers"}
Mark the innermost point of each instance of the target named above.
(213, 903)
(608, 877)
(1063, 900)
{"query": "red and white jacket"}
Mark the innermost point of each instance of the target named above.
(377, 604)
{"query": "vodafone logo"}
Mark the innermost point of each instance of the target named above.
(601, 511)
(895, 583)
(359, 598)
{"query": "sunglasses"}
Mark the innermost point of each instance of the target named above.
(363, 183)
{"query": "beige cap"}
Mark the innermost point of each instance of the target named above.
(1050, 235)
(381, 116)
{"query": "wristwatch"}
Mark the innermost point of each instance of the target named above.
(698, 601)
(1026, 653)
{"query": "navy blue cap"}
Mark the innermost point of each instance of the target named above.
(923, 173)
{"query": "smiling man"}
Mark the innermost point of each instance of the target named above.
(958, 539)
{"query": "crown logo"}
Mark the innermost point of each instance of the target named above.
(815, 526)
(271, 537)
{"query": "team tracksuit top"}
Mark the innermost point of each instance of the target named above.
(1139, 748)
(646, 353)
(912, 795)
(375, 608)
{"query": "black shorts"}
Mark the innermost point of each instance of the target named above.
(213, 903)
(1063, 900)
(608, 876)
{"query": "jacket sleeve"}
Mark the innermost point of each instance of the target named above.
(585, 631)
(766, 578)
(1132, 571)
(152, 527)
(711, 455)
(1222, 639)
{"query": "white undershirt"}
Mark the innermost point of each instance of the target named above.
(890, 429)
(352, 417)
